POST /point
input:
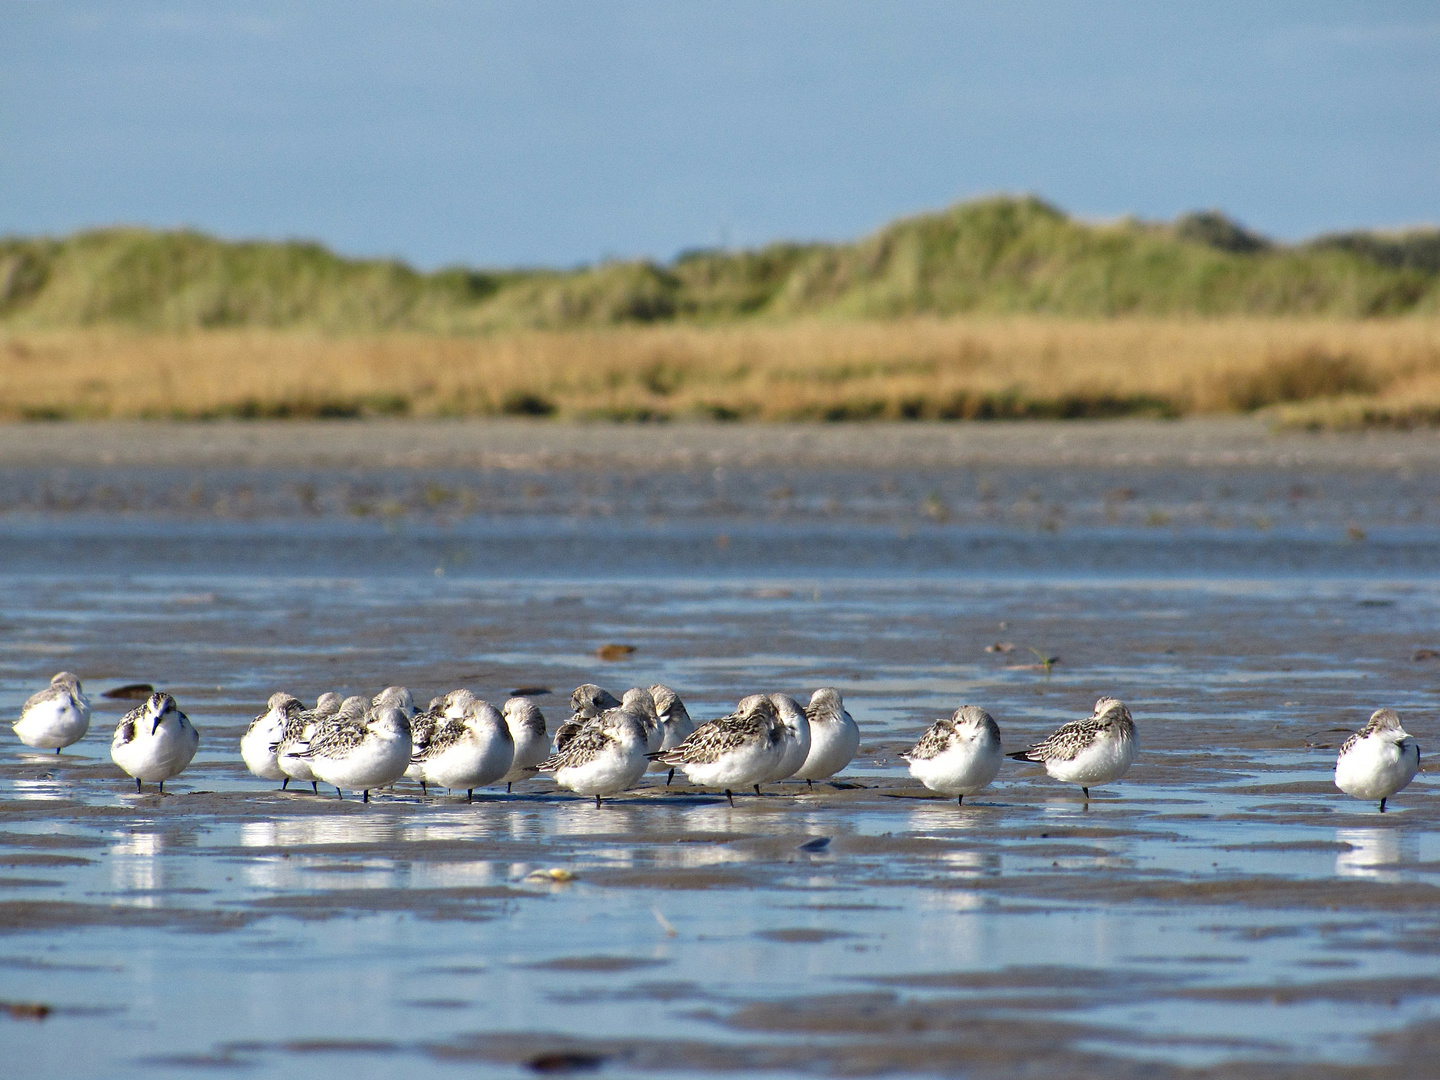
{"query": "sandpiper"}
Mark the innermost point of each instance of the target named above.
(300, 727)
(422, 729)
(425, 724)
(739, 750)
(55, 717)
(958, 756)
(638, 700)
(797, 737)
(361, 757)
(154, 742)
(1095, 750)
(675, 720)
(532, 742)
(605, 756)
(834, 736)
(261, 740)
(472, 751)
(1379, 760)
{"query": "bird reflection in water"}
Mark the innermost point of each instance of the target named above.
(1368, 854)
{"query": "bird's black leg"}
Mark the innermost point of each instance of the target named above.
(57, 749)
(162, 787)
(670, 777)
(365, 795)
(730, 795)
(757, 789)
(286, 784)
(1086, 790)
(137, 783)
(315, 786)
(810, 783)
(960, 801)
(597, 802)
(1382, 804)
(339, 794)
(470, 795)
(507, 787)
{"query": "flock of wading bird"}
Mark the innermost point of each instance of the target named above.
(607, 745)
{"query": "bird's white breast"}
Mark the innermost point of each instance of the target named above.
(1105, 759)
(1377, 767)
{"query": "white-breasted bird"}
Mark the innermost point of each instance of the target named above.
(739, 750)
(638, 699)
(261, 741)
(1378, 760)
(473, 750)
(674, 719)
(1092, 751)
(365, 756)
(155, 741)
(55, 717)
(298, 729)
(797, 737)
(606, 755)
(423, 726)
(532, 741)
(427, 722)
(958, 756)
(834, 736)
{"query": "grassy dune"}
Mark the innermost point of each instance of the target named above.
(1302, 370)
(1001, 307)
(999, 256)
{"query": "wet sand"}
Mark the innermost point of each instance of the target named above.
(507, 444)
(1223, 910)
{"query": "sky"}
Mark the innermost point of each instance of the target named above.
(560, 132)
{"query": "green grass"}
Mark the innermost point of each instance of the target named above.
(992, 256)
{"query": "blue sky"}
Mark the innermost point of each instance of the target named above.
(557, 132)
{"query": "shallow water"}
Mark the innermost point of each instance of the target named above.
(1223, 907)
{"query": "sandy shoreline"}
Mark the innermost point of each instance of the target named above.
(519, 444)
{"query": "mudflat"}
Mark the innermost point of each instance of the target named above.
(1222, 910)
(503, 443)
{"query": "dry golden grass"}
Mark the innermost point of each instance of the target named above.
(919, 368)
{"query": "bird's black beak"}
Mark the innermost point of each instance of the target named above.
(156, 726)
